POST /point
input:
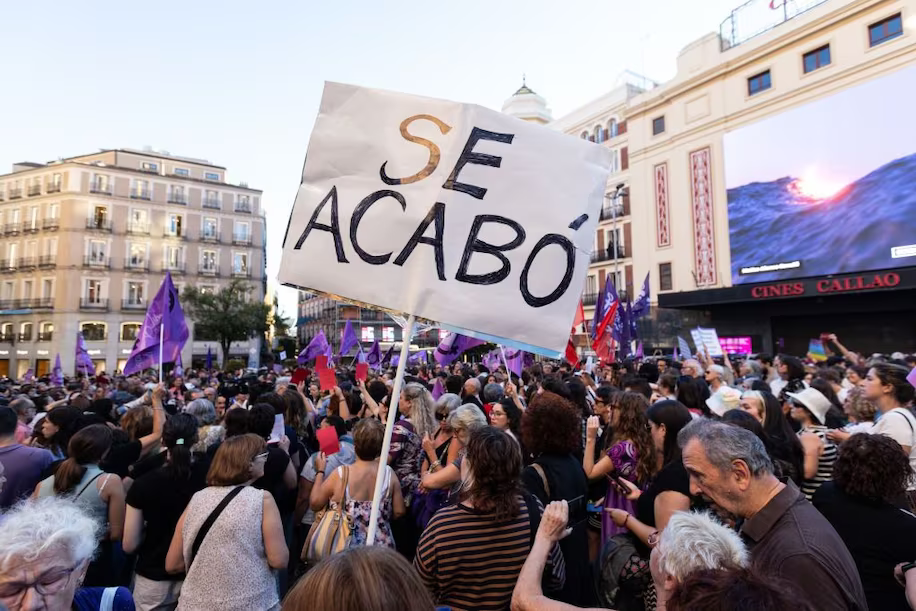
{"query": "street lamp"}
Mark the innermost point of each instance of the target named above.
(619, 191)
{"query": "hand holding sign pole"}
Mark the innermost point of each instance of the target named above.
(433, 208)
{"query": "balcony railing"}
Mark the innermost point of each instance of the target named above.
(241, 273)
(95, 337)
(7, 338)
(34, 190)
(609, 254)
(211, 203)
(136, 265)
(209, 236)
(15, 193)
(25, 337)
(172, 266)
(100, 188)
(12, 228)
(96, 261)
(243, 207)
(7, 265)
(98, 224)
(137, 228)
(132, 304)
(2, 196)
(178, 198)
(589, 299)
(52, 188)
(613, 211)
(28, 263)
(93, 304)
(50, 224)
(31, 226)
(46, 336)
(213, 272)
(37, 303)
(47, 261)
(241, 240)
(140, 194)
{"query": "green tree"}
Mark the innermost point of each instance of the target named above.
(227, 315)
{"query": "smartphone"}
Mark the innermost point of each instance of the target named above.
(578, 505)
(616, 480)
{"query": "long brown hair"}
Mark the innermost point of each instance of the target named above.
(495, 460)
(86, 447)
(633, 426)
(361, 579)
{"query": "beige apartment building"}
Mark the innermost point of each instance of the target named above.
(777, 69)
(87, 241)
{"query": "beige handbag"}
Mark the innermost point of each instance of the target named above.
(331, 531)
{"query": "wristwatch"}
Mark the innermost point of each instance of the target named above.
(906, 567)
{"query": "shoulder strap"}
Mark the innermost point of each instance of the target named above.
(902, 412)
(108, 598)
(89, 483)
(344, 480)
(534, 515)
(540, 471)
(208, 523)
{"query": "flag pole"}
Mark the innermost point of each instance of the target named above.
(393, 400)
(161, 340)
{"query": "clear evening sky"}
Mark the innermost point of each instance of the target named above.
(238, 83)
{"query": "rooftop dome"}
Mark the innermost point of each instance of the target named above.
(525, 104)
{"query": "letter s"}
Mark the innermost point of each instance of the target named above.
(434, 153)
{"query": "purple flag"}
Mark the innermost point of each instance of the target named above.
(491, 360)
(375, 354)
(515, 360)
(389, 356)
(57, 374)
(416, 358)
(395, 360)
(348, 340)
(278, 368)
(600, 308)
(83, 360)
(438, 389)
(328, 353)
(29, 376)
(209, 364)
(674, 355)
(912, 377)
(360, 355)
(164, 317)
(318, 345)
(639, 352)
(453, 346)
(641, 305)
(178, 372)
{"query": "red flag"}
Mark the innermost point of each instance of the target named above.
(572, 357)
(580, 317)
(604, 348)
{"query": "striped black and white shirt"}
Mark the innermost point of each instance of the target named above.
(824, 462)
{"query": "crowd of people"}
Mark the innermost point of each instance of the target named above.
(753, 483)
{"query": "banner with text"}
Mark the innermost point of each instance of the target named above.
(452, 212)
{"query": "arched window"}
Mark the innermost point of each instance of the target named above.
(584, 135)
(7, 332)
(94, 331)
(129, 331)
(25, 332)
(599, 133)
(612, 128)
(45, 331)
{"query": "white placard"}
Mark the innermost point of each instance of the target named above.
(711, 340)
(276, 434)
(386, 169)
(697, 340)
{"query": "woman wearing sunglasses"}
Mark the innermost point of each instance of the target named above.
(250, 526)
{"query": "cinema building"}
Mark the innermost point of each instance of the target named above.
(772, 183)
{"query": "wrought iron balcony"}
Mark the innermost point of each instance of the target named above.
(8, 338)
(15, 193)
(133, 304)
(31, 226)
(25, 337)
(46, 336)
(589, 299)
(141, 194)
(26, 263)
(241, 240)
(100, 188)
(7, 265)
(175, 268)
(241, 273)
(610, 253)
(50, 224)
(243, 207)
(97, 261)
(212, 272)
(38, 303)
(137, 228)
(98, 224)
(52, 188)
(93, 304)
(136, 265)
(612, 211)
(34, 190)
(212, 203)
(178, 198)
(12, 228)
(47, 261)
(210, 236)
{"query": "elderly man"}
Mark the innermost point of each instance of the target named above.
(471, 392)
(787, 536)
(25, 413)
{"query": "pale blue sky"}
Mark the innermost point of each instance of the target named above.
(239, 83)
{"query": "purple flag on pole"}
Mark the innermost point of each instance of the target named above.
(164, 317)
(209, 364)
(57, 374)
(375, 354)
(349, 339)
(639, 352)
(389, 356)
(29, 376)
(328, 353)
(178, 372)
(438, 389)
(395, 360)
(318, 345)
(600, 308)
(360, 355)
(641, 305)
(674, 355)
(453, 346)
(83, 360)
(515, 360)
(416, 358)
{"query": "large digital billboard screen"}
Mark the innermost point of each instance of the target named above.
(826, 188)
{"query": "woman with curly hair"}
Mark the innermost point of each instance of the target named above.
(628, 454)
(551, 433)
(471, 554)
(887, 387)
(869, 477)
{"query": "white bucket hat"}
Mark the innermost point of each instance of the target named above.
(725, 399)
(815, 401)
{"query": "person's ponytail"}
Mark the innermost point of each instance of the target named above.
(178, 435)
(86, 447)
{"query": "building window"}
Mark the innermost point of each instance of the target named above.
(137, 256)
(173, 227)
(9, 290)
(97, 250)
(599, 134)
(27, 289)
(658, 125)
(94, 291)
(612, 128)
(816, 59)
(211, 199)
(207, 289)
(176, 195)
(45, 330)
(211, 176)
(129, 331)
(25, 332)
(47, 289)
(758, 82)
(174, 255)
(884, 30)
(93, 331)
(149, 166)
(181, 172)
(135, 293)
(208, 229)
(54, 211)
(368, 334)
(208, 260)
(242, 232)
(240, 263)
(665, 282)
(387, 334)
(140, 190)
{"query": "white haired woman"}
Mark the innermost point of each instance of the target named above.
(209, 433)
(45, 549)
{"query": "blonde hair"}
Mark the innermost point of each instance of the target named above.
(422, 409)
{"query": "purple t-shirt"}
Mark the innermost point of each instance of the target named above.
(20, 471)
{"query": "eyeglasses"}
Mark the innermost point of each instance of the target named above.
(50, 583)
(441, 416)
(261, 456)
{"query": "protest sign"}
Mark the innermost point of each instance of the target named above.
(684, 347)
(362, 371)
(327, 440)
(710, 340)
(697, 340)
(276, 434)
(816, 351)
(450, 212)
(327, 378)
(321, 362)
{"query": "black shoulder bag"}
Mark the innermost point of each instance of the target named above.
(208, 523)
